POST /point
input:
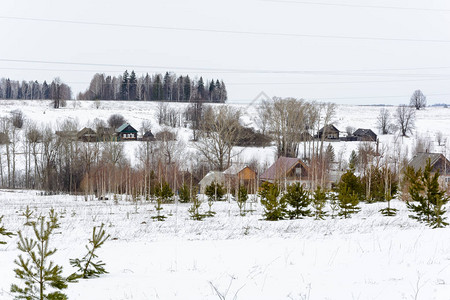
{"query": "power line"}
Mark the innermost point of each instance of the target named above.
(349, 72)
(359, 5)
(205, 30)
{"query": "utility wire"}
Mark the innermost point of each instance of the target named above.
(205, 30)
(349, 72)
(359, 5)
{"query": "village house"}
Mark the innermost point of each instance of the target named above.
(287, 170)
(365, 135)
(439, 163)
(329, 132)
(126, 132)
(240, 175)
(87, 135)
(148, 136)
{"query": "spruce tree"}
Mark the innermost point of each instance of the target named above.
(42, 278)
(298, 199)
(194, 209)
(214, 192)
(28, 214)
(424, 189)
(242, 199)
(348, 201)
(318, 203)
(132, 90)
(163, 194)
(4, 232)
(124, 87)
(87, 267)
(274, 206)
(184, 194)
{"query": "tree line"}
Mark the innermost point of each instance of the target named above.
(156, 87)
(33, 90)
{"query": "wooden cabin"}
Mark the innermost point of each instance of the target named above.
(240, 175)
(329, 132)
(287, 170)
(365, 135)
(126, 132)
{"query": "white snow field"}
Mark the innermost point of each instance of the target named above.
(368, 256)
(229, 256)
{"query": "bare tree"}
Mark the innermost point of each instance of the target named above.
(17, 118)
(216, 143)
(418, 100)
(116, 120)
(440, 138)
(405, 118)
(384, 123)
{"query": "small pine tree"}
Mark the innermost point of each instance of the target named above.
(242, 199)
(184, 193)
(348, 202)
(4, 232)
(38, 273)
(87, 267)
(334, 205)
(298, 199)
(318, 203)
(215, 192)
(194, 210)
(28, 214)
(163, 194)
(274, 206)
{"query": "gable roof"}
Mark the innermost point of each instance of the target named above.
(419, 161)
(329, 128)
(235, 169)
(86, 130)
(364, 132)
(281, 167)
(124, 126)
(212, 176)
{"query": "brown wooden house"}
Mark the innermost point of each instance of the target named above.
(439, 163)
(287, 170)
(329, 132)
(365, 135)
(87, 135)
(238, 175)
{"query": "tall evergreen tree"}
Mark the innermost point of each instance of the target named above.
(201, 89)
(187, 88)
(132, 86)
(124, 87)
(157, 88)
(274, 206)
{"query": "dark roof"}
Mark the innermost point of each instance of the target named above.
(85, 130)
(125, 126)
(329, 128)
(281, 167)
(364, 132)
(419, 161)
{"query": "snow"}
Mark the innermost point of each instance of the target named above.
(366, 257)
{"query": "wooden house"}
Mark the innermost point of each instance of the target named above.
(287, 170)
(126, 132)
(148, 136)
(87, 135)
(238, 175)
(439, 163)
(67, 135)
(329, 132)
(365, 135)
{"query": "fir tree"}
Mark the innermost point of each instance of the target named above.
(201, 89)
(353, 161)
(36, 270)
(124, 86)
(132, 90)
(318, 203)
(298, 199)
(163, 195)
(4, 232)
(348, 201)
(157, 88)
(184, 194)
(194, 210)
(274, 206)
(242, 199)
(187, 88)
(87, 267)
(214, 192)
(424, 189)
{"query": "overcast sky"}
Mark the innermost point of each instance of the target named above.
(333, 50)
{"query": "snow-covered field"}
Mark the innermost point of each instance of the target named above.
(366, 257)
